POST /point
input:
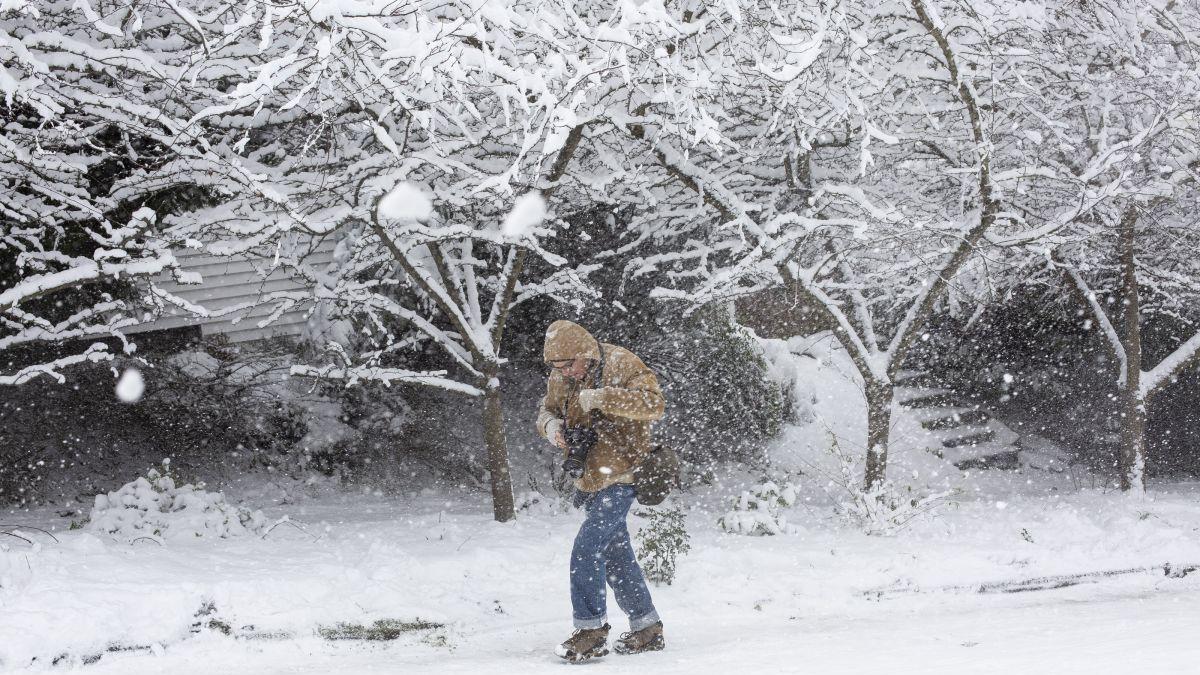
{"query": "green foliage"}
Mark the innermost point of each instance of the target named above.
(759, 402)
(661, 543)
(724, 404)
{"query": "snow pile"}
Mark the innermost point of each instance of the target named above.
(152, 506)
(827, 401)
(757, 512)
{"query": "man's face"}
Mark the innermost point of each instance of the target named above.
(573, 368)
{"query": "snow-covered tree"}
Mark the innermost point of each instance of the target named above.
(869, 153)
(428, 137)
(83, 105)
(1132, 71)
(1110, 92)
(466, 278)
(474, 104)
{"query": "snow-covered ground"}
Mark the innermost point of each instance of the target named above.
(797, 602)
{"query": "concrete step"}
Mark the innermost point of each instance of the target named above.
(1007, 460)
(958, 419)
(915, 378)
(987, 455)
(931, 398)
(960, 432)
(930, 414)
(974, 436)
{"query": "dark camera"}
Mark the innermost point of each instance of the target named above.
(580, 441)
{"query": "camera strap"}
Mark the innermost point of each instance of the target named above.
(597, 382)
(598, 378)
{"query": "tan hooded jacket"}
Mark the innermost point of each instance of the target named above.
(629, 401)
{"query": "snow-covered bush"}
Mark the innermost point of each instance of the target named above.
(153, 506)
(885, 508)
(661, 542)
(757, 512)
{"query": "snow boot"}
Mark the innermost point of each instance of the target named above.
(648, 639)
(584, 644)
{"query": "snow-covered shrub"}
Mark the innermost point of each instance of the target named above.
(226, 406)
(885, 508)
(360, 434)
(661, 542)
(757, 512)
(153, 506)
(241, 397)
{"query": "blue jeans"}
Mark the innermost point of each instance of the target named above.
(602, 552)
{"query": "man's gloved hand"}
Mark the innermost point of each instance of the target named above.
(554, 433)
(590, 399)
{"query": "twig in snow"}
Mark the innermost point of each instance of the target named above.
(12, 534)
(137, 539)
(30, 527)
(285, 521)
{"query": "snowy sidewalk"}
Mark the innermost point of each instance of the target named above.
(1140, 632)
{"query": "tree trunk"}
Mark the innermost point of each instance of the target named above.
(879, 423)
(1133, 441)
(1133, 405)
(497, 447)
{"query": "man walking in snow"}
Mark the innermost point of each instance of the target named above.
(601, 398)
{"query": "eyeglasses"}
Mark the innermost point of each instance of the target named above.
(561, 364)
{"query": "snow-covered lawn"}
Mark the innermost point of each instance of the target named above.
(798, 602)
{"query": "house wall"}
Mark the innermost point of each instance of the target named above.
(235, 280)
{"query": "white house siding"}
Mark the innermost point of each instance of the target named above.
(229, 281)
